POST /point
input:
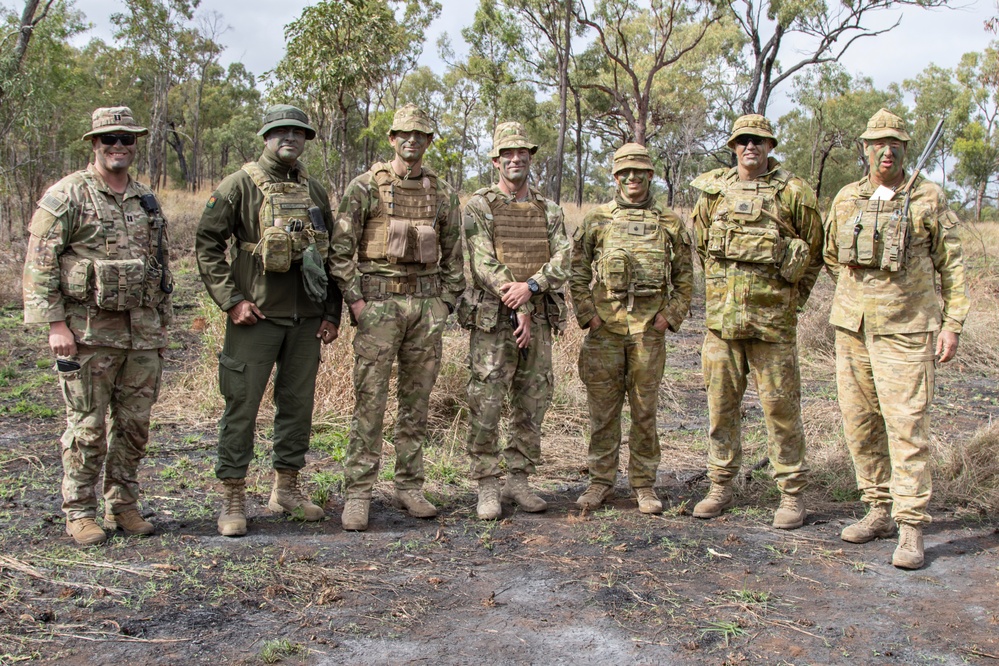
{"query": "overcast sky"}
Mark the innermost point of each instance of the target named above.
(256, 35)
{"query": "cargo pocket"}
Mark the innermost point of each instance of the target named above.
(232, 382)
(77, 385)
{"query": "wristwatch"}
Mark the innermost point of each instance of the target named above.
(533, 286)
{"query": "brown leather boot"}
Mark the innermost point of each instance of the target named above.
(415, 503)
(517, 490)
(488, 507)
(287, 497)
(790, 515)
(130, 522)
(648, 501)
(355, 515)
(232, 520)
(719, 498)
(594, 496)
(877, 524)
(85, 531)
(909, 553)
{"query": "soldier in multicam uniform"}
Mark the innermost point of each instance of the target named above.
(273, 219)
(639, 253)
(759, 237)
(396, 254)
(97, 272)
(519, 259)
(887, 314)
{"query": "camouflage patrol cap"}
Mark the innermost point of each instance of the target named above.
(511, 135)
(753, 124)
(108, 119)
(412, 118)
(883, 124)
(632, 156)
(286, 115)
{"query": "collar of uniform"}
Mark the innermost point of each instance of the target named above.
(102, 185)
(510, 198)
(866, 187)
(277, 169)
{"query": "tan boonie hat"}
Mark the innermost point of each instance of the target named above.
(632, 156)
(286, 115)
(412, 118)
(753, 124)
(109, 119)
(883, 124)
(511, 135)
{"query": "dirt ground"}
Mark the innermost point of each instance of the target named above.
(611, 587)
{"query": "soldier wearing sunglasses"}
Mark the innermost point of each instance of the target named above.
(97, 272)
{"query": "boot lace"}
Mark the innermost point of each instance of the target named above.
(235, 500)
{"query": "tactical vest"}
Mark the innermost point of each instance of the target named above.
(404, 228)
(876, 236)
(286, 228)
(520, 233)
(634, 256)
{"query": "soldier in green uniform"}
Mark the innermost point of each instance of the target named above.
(888, 241)
(519, 259)
(396, 254)
(97, 272)
(631, 279)
(759, 237)
(273, 219)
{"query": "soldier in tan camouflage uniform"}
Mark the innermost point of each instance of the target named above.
(97, 272)
(759, 237)
(639, 252)
(396, 254)
(890, 330)
(519, 259)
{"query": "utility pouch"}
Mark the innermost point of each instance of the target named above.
(398, 239)
(795, 261)
(118, 283)
(614, 270)
(487, 311)
(426, 244)
(321, 239)
(716, 241)
(75, 275)
(275, 250)
(754, 245)
(846, 241)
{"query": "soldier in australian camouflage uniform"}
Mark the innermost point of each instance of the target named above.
(885, 246)
(396, 254)
(639, 252)
(759, 237)
(519, 259)
(97, 273)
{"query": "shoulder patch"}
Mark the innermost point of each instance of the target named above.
(212, 200)
(55, 202)
(710, 182)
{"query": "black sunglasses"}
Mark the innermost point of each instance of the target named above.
(111, 139)
(746, 139)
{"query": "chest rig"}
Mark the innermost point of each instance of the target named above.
(634, 256)
(520, 234)
(876, 235)
(403, 230)
(286, 227)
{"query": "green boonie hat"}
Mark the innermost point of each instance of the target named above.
(108, 119)
(511, 135)
(883, 124)
(632, 156)
(412, 118)
(286, 115)
(753, 124)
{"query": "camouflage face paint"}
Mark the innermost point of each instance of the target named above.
(633, 184)
(885, 159)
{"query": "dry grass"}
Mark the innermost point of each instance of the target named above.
(968, 474)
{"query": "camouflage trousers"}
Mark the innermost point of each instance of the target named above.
(249, 354)
(498, 369)
(613, 365)
(126, 382)
(726, 365)
(886, 386)
(407, 328)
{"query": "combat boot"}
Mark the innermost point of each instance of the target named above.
(287, 497)
(232, 520)
(489, 507)
(516, 489)
(85, 531)
(877, 524)
(130, 522)
(415, 503)
(355, 515)
(594, 496)
(790, 515)
(719, 498)
(648, 501)
(909, 553)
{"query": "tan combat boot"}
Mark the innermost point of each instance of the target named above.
(648, 501)
(85, 531)
(517, 490)
(877, 524)
(232, 520)
(594, 496)
(909, 553)
(287, 497)
(719, 498)
(355, 515)
(130, 522)
(415, 503)
(489, 507)
(790, 515)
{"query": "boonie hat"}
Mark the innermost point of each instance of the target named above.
(286, 115)
(411, 118)
(511, 135)
(753, 124)
(883, 124)
(632, 156)
(108, 119)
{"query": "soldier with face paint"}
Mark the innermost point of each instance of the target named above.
(886, 258)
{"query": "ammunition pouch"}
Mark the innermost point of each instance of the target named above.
(119, 283)
(410, 243)
(753, 245)
(876, 237)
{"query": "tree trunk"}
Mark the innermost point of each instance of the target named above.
(563, 103)
(579, 150)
